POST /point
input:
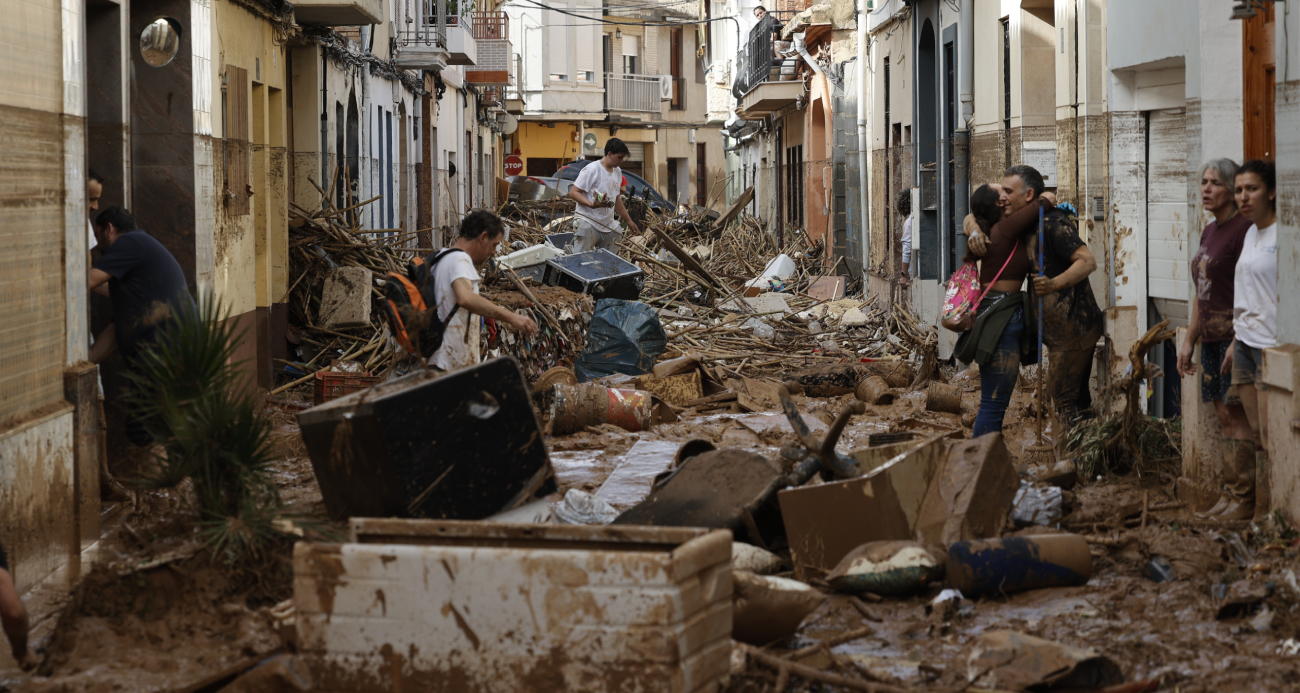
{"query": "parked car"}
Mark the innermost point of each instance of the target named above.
(527, 188)
(636, 186)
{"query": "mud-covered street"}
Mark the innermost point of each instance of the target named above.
(1175, 603)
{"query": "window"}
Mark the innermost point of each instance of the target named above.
(557, 46)
(631, 55)
(794, 185)
(238, 161)
(701, 173)
(675, 58)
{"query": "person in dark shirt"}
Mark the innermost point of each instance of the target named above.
(145, 285)
(13, 616)
(1072, 320)
(1213, 271)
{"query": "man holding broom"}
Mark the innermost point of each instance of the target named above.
(1072, 321)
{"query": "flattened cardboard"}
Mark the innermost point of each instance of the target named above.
(972, 496)
(824, 523)
(675, 389)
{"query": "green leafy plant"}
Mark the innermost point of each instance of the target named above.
(208, 426)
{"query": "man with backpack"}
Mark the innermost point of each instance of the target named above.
(455, 283)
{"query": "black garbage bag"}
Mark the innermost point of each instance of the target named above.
(624, 337)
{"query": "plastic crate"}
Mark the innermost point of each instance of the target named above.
(331, 385)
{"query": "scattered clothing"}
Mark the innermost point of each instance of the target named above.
(147, 289)
(1214, 270)
(1254, 314)
(460, 344)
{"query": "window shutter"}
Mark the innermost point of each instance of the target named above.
(631, 45)
(557, 45)
(238, 159)
(586, 39)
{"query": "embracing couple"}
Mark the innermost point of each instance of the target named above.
(1003, 331)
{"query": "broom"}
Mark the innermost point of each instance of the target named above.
(1040, 453)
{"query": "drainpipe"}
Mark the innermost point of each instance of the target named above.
(864, 177)
(962, 135)
(803, 51)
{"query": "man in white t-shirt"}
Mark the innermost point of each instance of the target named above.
(455, 283)
(597, 193)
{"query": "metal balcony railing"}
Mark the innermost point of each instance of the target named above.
(427, 21)
(639, 93)
(757, 58)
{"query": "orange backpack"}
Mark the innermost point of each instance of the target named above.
(412, 306)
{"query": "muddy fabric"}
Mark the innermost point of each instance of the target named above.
(998, 377)
(1067, 384)
(978, 344)
(1214, 383)
(1248, 365)
(147, 285)
(1071, 317)
(1241, 467)
(1213, 269)
(1006, 239)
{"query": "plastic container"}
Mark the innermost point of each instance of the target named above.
(331, 385)
(779, 267)
(1017, 564)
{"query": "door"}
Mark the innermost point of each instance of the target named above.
(1167, 249)
(1167, 206)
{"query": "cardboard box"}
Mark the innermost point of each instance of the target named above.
(972, 497)
(824, 523)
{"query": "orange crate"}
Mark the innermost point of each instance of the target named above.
(331, 385)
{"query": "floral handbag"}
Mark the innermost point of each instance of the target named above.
(964, 295)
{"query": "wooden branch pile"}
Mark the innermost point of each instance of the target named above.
(321, 240)
(561, 316)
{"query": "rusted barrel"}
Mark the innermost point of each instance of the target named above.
(575, 407)
(874, 390)
(943, 397)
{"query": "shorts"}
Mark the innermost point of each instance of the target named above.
(1215, 385)
(1248, 366)
(587, 237)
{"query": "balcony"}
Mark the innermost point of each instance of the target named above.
(635, 93)
(491, 32)
(766, 81)
(436, 35)
(339, 12)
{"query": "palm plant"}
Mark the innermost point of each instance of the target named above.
(191, 398)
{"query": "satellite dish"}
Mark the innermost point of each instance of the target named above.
(509, 124)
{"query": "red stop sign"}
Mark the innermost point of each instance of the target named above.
(514, 165)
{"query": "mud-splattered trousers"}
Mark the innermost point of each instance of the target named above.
(998, 378)
(1068, 374)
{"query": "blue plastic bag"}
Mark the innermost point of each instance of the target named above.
(623, 337)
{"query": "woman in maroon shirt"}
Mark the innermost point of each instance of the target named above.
(1213, 274)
